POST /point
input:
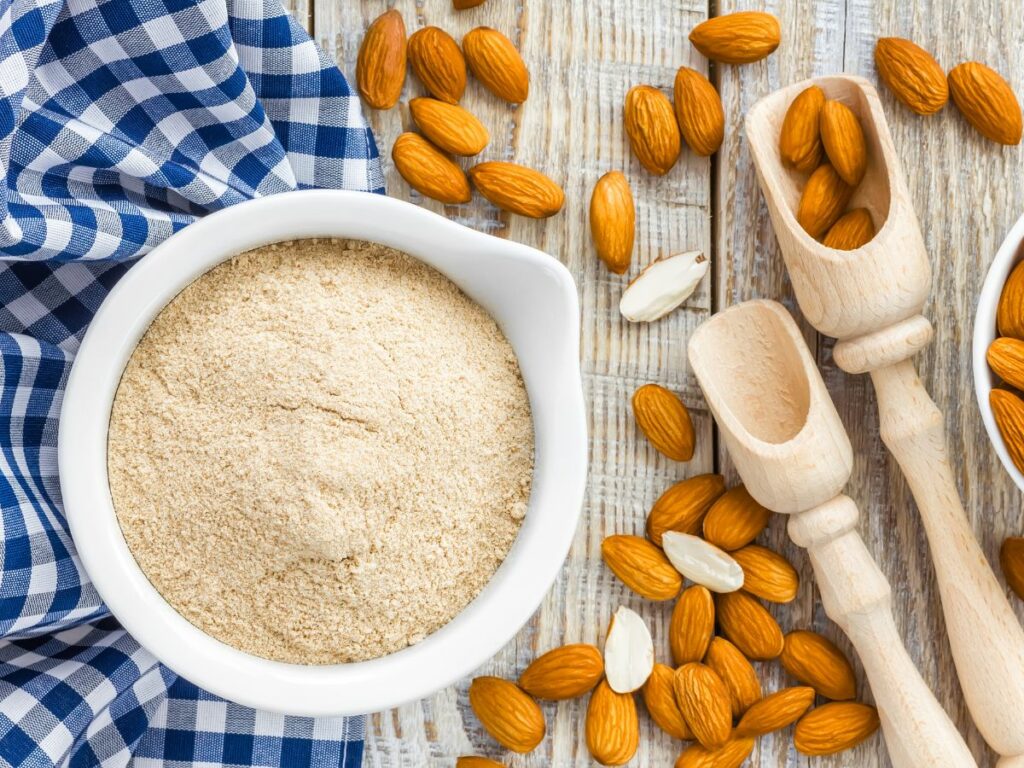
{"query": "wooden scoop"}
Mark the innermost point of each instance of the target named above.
(789, 446)
(871, 299)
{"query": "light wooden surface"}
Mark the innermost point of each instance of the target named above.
(583, 56)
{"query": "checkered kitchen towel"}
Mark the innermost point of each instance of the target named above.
(120, 122)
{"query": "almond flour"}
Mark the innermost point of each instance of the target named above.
(321, 451)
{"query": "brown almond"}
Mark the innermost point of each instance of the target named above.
(437, 61)
(730, 755)
(745, 622)
(449, 126)
(612, 729)
(518, 189)
(737, 38)
(1010, 310)
(613, 221)
(816, 661)
(641, 566)
(1005, 357)
(380, 66)
(823, 200)
(428, 170)
(665, 421)
(474, 761)
(496, 63)
(735, 520)
(986, 100)
(703, 701)
(1011, 560)
(660, 700)
(767, 574)
(736, 672)
(692, 625)
(776, 711)
(698, 111)
(912, 74)
(834, 727)
(800, 137)
(852, 230)
(461, 5)
(563, 673)
(843, 140)
(652, 129)
(512, 718)
(682, 507)
(1008, 411)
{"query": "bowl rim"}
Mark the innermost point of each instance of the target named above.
(484, 626)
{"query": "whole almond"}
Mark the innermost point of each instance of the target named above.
(703, 700)
(437, 61)
(641, 566)
(1010, 310)
(461, 5)
(692, 626)
(737, 674)
(815, 660)
(665, 421)
(612, 729)
(652, 129)
(776, 711)
(834, 727)
(730, 755)
(613, 221)
(1011, 559)
(518, 189)
(698, 111)
(660, 699)
(737, 38)
(800, 135)
(745, 622)
(563, 673)
(912, 74)
(824, 197)
(380, 66)
(428, 171)
(512, 718)
(1008, 410)
(853, 230)
(473, 761)
(1005, 357)
(987, 102)
(735, 520)
(843, 140)
(682, 507)
(449, 126)
(767, 574)
(496, 63)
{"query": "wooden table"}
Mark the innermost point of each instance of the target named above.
(583, 56)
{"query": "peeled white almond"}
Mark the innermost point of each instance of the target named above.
(702, 562)
(628, 652)
(663, 286)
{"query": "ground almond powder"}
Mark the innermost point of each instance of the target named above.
(321, 451)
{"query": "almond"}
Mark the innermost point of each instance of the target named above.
(843, 140)
(509, 715)
(563, 673)
(682, 507)
(1006, 358)
(824, 197)
(437, 61)
(834, 727)
(428, 171)
(613, 221)
(518, 189)
(641, 566)
(914, 77)
(852, 230)
(730, 755)
(692, 626)
(737, 674)
(652, 129)
(1010, 310)
(767, 574)
(1008, 410)
(662, 286)
(660, 699)
(449, 126)
(776, 711)
(800, 137)
(473, 761)
(496, 63)
(749, 626)
(737, 38)
(815, 660)
(628, 651)
(665, 421)
(613, 729)
(735, 520)
(698, 111)
(987, 102)
(702, 562)
(461, 5)
(380, 66)
(1011, 559)
(703, 700)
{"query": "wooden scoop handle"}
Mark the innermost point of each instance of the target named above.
(857, 597)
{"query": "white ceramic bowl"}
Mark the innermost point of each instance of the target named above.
(532, 297)
(1009, 253)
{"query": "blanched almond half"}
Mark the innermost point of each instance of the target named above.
(663, 286)
(628, 652)
(701, 562)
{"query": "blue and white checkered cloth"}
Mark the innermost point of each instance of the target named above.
(121, 121)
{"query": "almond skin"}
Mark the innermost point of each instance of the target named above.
(461, 5)
(509, 715)
(437, 61)
(380, 67)
(473, 761)
(776, 711)
(1008, 410)
(496, 63)
(703, 700)
(563, 673)
(737, 674)
(815, 660)
(682, 507)
(1010, 310)
(843, 139)
(665, 421)
(449, 126)
(613, 729)
(824, 197)
(1006, 358)
(660, 700)
(737, 38)
(749, 626)
(518, 189)
(428, 171)
(735, 520)
(641, 566)
(613, 221)
(767, 574)
(698, 112)
(834, 727)
(692, 625)
(987, 102)
(853, 230)
(800, 137)
(1011, 559)
(910, 72)
(731, 755)
(652, 129)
